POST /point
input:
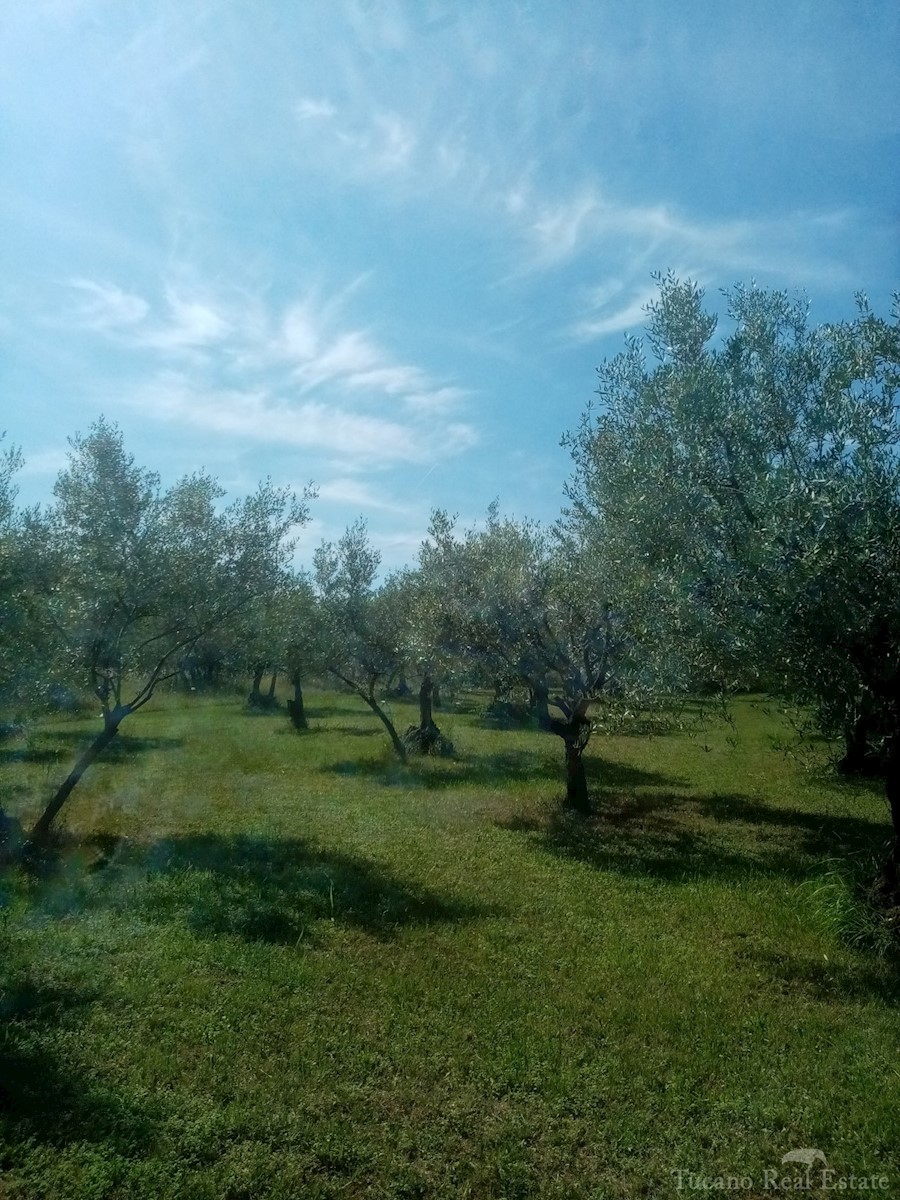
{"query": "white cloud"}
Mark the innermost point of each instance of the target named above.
(107, 307)
(264, 416)
(350, 492)
(559, 229)
(348, 355)
(234, 345)
(192, 323)
(366, 141)
(439, 400)
(613, 312)
(300, 333)
(309, 109)
(257, 416)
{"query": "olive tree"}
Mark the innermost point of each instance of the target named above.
(362, 635)
(303, 646)
(746, 492)
(524, 608)
(141, 574)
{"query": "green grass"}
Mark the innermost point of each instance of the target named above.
(271, 965)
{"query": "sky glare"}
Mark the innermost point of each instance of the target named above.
(384, 245)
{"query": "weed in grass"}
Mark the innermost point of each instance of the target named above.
(842, 898)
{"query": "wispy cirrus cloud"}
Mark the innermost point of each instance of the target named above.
(352, 492)
(264, 417)
(354, 361)
(625, 244)
(371, 143)
(449, 159)
(300, 378)
(612, 310)
(187, 321)
(106, 306)
(308, 108)
(45, 463)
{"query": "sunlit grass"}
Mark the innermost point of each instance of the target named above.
(292, 968)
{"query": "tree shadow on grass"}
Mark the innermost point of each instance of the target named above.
(42, 1096)
(354, 730)
(321, 712)
(276, 890)
(677, 838)
(491, 770)
(816, 835)
(805, 975)
(65, 744)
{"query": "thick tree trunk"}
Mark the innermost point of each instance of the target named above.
(576, 779)
(111, 724)
(426, 738)
(256, 690)
(859, 758)
(272, 683)
(426, 693)
(295, 706)
(575, 733)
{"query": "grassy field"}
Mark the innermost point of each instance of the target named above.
(280, 965)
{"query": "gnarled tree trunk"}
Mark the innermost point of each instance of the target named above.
(575, 732)
(426, 738)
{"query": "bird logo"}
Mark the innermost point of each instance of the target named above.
(808, 1157)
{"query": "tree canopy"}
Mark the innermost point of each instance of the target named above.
(747, 495)
(138, 575)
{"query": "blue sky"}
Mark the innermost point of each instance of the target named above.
(384, 245)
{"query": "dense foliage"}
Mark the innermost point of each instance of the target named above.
(746, 497)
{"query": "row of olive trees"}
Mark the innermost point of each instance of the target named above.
(506, 604)
(733, 518)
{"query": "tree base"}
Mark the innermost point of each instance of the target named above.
(870, 765)
(429, 740)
